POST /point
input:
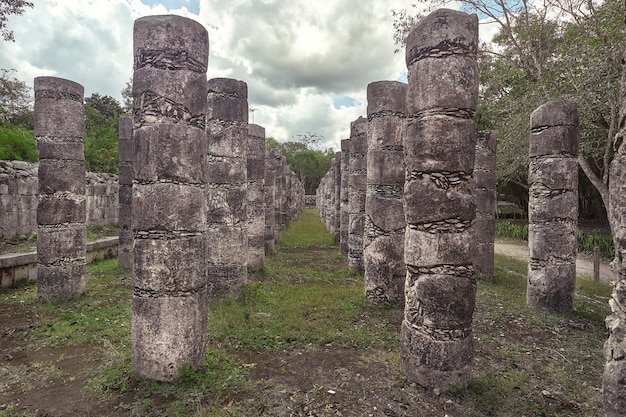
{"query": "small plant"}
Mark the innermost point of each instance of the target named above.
(512, 230)
(587, 243)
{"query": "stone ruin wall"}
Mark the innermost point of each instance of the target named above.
(18, 198)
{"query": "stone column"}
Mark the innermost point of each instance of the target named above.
(278, 192)
(486, 201)
(356, 192)
(337, 198)
(553, 206)
(256, 197)
(436, 348)
(227, 135)
(344, 218)
(61, 210)
(269, 189)
(383, 241)
(329, 203)
(125, 194)
(281, 188)
(169, 200)
(613, 386)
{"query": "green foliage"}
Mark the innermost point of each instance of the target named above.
(512, 230)
(17, 144)
(15, 100)
(7, 8)
(587, 243)
(308, 164)
(102, 115)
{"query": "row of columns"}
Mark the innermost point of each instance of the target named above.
(201, 198)
(421, 209)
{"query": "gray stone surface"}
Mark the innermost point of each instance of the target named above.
(19, 199)
(436, 348)
(61, 210)
(357, 178)
(337, 198)
(227, 136)
(269, 191)
(486, 202)
(553, 206)
(344, 217)
(256, 196)
(125, 180)
(383, 240)
(169, 196)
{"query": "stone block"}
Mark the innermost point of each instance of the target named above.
(168, 333)
(61, 209)
(171, 266)
(59, 110)
(172, 152)
(61, 244)
(60, 282)
(162, 96)
(440, 143)
(426, 201)
(169, 207)
(60, 175)
(437, 364)
(426, 249)
(551, 287)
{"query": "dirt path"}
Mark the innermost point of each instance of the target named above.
(584, 264)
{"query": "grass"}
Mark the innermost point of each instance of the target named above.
(306, 302)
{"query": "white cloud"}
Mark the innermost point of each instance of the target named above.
(296, 56)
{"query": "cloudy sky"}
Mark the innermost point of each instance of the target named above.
(307, 63)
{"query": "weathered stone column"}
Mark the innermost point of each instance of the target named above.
(169, 201)
(256, 197)
(125, 176)
(436, 348)
(486, 201)
(61, 210)
(269, 190)
(281, 198)
(344, 217)
(227, 135)
(553, 206)
(613, 386)
(383, 241)
(329, 200)
(337, 188)
(356, 192)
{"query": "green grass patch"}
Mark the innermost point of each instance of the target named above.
(527, 361)
(307, 230)
(99, 232)
(100, 316)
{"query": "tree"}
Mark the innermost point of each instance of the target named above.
(127, 95)
(558, 49)
(309, 165)
(101, 125)
(16, 101)
(7, 8)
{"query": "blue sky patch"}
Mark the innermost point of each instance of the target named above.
(344, 101)
(192, 5)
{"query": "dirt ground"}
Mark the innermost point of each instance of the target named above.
(317, 381)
